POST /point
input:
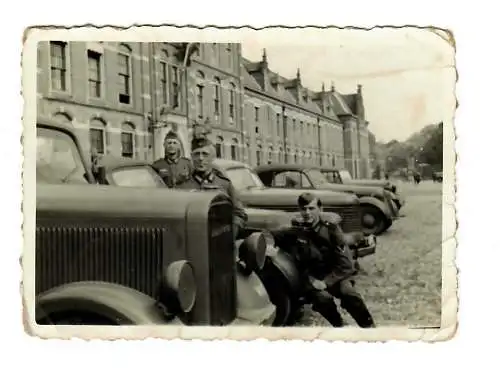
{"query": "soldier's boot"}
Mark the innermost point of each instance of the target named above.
(356, 307)
(330, 312)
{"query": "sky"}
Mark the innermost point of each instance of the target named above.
(408, 75)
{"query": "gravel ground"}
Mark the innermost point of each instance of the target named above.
(401, 283)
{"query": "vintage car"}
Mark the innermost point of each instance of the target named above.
(344, 177)
(279, 274)
(121, 256)
(437, 176)
(378, 212)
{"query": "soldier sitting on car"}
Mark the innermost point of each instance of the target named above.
(173, 168)
(205, 177)
(325, 262)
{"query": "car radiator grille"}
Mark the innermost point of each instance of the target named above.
(222, 265)
(351, 217)
(131, 256)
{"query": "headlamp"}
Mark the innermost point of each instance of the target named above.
(252, 251)
(179, 287)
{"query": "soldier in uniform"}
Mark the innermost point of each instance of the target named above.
(173, 168)
(205, 177)
(326, 263)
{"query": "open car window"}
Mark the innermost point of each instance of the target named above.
(317, 177)
(57, 159)
(136, 176)
(291, 179)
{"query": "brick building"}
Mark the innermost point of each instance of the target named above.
(122, 98)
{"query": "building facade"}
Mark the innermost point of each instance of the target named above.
(122, 98)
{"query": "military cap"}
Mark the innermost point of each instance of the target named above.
(171, 135)
(200, 142)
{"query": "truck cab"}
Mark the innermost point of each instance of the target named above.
(122, 256)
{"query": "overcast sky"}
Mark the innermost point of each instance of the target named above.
(408, 75)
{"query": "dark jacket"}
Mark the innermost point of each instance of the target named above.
(173, 172)
(320, 251)
(218, 181)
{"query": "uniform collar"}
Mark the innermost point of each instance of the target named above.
(173, 160)
(207, 177)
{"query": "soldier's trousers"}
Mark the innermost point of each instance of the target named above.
(323, 302)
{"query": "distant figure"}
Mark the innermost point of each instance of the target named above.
(386, 174)
(416, 177)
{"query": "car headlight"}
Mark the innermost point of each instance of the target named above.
(252, 250)
(179, 287)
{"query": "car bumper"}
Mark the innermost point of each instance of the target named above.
(367, 247)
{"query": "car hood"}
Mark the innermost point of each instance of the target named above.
(370, 182)
(283, 197)
(264, 219)
(352, 188)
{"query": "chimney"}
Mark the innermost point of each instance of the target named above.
(264, 57)
(298, 76)
(332, 87)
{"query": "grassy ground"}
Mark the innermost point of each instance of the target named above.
(401, 283)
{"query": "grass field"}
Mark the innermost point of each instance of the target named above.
(401, 283)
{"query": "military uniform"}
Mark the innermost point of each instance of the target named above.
(324, 255)
(216, 180)
(173, 170)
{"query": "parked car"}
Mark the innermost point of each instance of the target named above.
(377, 211)
(120, 256)
(344, 177)
(437, 176)
(279, 273)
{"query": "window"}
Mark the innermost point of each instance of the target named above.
(98, 136)
(97, 140)
(234, 150)
(257, 114)
(58, 66)
(232, 100)
(229, 54)
(259, 154)
(127, 139)
(175, 87)
(94, 66)
(139, 176)
(218, 147)
(278, 125)
(199, 100)
(57, 159)
(291, 179)
(256, 129)
(124, 73)
(270, 155)
(217, 97)
(163, 77)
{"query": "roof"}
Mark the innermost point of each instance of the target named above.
(112, 162)
(45, 121)
(250, 81)
(229, 164)
(279, 166)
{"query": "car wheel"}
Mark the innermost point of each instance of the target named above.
(373, 220)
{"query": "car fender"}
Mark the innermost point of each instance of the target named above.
(381, 206)
(254, 304)
(125, 305)
(283, 266)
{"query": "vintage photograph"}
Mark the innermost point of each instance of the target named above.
(272, 178)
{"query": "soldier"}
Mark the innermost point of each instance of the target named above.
(327, 264)
(205, 177)
(173, 168)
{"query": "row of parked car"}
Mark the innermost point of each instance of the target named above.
(145, 254)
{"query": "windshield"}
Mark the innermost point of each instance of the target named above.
(243, 178)
(316, 177)
(57, 158)
(138, 176)
(345, 175)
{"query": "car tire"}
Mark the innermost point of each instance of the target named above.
(374, 221)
